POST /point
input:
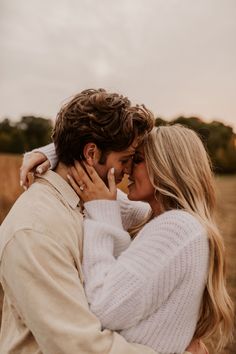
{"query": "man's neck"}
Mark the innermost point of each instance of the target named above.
(62, 170)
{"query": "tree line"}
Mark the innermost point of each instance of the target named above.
(31, 132)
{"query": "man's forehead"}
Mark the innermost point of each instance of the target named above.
(131, 149)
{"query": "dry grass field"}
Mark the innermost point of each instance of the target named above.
(226, 199)
(9, 182)
(226, 196)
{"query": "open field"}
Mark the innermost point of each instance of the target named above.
(226, 196)
(9, 182)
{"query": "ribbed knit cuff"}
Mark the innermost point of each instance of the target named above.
(107, 211)
(50, 152)
(121, 195)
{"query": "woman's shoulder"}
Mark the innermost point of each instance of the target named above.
(180, 216)
(176, 223)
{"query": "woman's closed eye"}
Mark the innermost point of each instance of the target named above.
(137, 158)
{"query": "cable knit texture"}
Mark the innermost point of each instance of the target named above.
(132, 213)
(149, 289)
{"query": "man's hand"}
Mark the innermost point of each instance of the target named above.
(33, 162)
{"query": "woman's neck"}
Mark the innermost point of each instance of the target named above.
(156, 207)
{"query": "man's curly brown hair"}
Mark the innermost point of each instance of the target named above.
(106, 119)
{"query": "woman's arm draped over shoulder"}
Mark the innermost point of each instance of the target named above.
(49, 151)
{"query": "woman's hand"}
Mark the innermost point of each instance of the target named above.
(88, 185)
(33, 162)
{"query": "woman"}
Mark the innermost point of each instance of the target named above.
(168, 284)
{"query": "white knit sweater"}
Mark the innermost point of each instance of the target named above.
(149, 289)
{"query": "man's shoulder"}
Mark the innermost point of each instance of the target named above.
(42, 210)
(34, 206)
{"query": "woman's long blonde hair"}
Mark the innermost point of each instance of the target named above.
(180, 171)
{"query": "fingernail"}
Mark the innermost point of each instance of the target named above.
(112, 170)
(39, 170)
(25, 188)
(21, 183)
(68, 176)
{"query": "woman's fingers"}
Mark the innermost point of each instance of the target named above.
(80, 174)
(88, 185)
(43, 167)
(78, 178)
(88, 173)
(112, 182)
(24, 170)
(25, 181)
(95, 178)
(30, 161)
(74, 185)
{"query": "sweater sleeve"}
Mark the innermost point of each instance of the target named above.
(132, 213)
(49, 151)
(133, 286)
(107, 212)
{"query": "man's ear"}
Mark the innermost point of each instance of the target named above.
(91, 153)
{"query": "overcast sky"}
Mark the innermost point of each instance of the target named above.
(176, 56)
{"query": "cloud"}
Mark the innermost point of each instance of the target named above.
(176, 56)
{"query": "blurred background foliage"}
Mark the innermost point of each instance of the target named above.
(218, 138)
(31, 132)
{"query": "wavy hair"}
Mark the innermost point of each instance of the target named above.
(180, 170)
(106, 119)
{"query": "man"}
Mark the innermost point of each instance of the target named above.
(45, 309)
